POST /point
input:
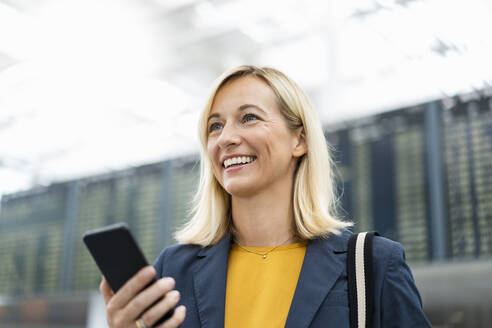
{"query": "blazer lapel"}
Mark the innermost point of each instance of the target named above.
(210, 277)
(320, 270)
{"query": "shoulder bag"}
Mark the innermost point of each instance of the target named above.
(360, 279)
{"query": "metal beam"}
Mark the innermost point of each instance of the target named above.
(71, 214)
(435, 173)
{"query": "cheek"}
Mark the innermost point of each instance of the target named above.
(279, 152)
(212, 155)
(211, 150)
(275, 143)
(262, 141)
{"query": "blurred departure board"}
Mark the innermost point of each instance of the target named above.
(468, 159)
(148, 210)
(31, 241)
(182, 182)
(382, 164)
(130, 196)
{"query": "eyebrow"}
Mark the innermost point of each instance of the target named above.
(240, 108)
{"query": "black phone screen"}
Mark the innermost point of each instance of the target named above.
(117, 255)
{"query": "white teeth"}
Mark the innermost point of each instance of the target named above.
(238, 160)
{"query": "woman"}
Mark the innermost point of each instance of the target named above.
(264, 248)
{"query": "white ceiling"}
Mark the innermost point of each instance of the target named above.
(90, 86)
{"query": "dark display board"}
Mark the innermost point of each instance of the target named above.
(468, 161)
(181, 182)
(382, 163)
(31, 241)
(388, 165)
(131, 196)
(154, 200)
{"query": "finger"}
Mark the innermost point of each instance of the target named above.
(132, 287)
(147, 297)
(105, 290)
(177, 318)
(162, 307)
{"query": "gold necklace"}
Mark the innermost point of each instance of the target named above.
(262, 254)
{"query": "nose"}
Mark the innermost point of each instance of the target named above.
(228, 136)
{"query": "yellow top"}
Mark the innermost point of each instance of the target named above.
(259, 291)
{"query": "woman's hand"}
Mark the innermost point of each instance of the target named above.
(132, 302)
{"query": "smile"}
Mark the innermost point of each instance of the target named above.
(235, 161)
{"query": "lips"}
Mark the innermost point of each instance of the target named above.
(225, 158)
(236, 167)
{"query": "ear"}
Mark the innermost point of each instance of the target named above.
(299, 142)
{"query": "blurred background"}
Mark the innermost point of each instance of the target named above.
(99, 101)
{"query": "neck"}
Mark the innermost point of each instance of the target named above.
(265, 219)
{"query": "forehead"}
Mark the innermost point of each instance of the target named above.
(244, 90)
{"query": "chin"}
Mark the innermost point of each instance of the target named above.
(240, 189)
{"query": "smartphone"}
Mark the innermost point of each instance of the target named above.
(117, 255)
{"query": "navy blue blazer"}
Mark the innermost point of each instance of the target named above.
(320, 298)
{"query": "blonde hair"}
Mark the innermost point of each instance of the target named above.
(314, 198)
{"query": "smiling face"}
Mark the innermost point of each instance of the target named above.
(249, 144)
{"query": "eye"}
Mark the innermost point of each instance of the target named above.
(214, 127)
(249, 117)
